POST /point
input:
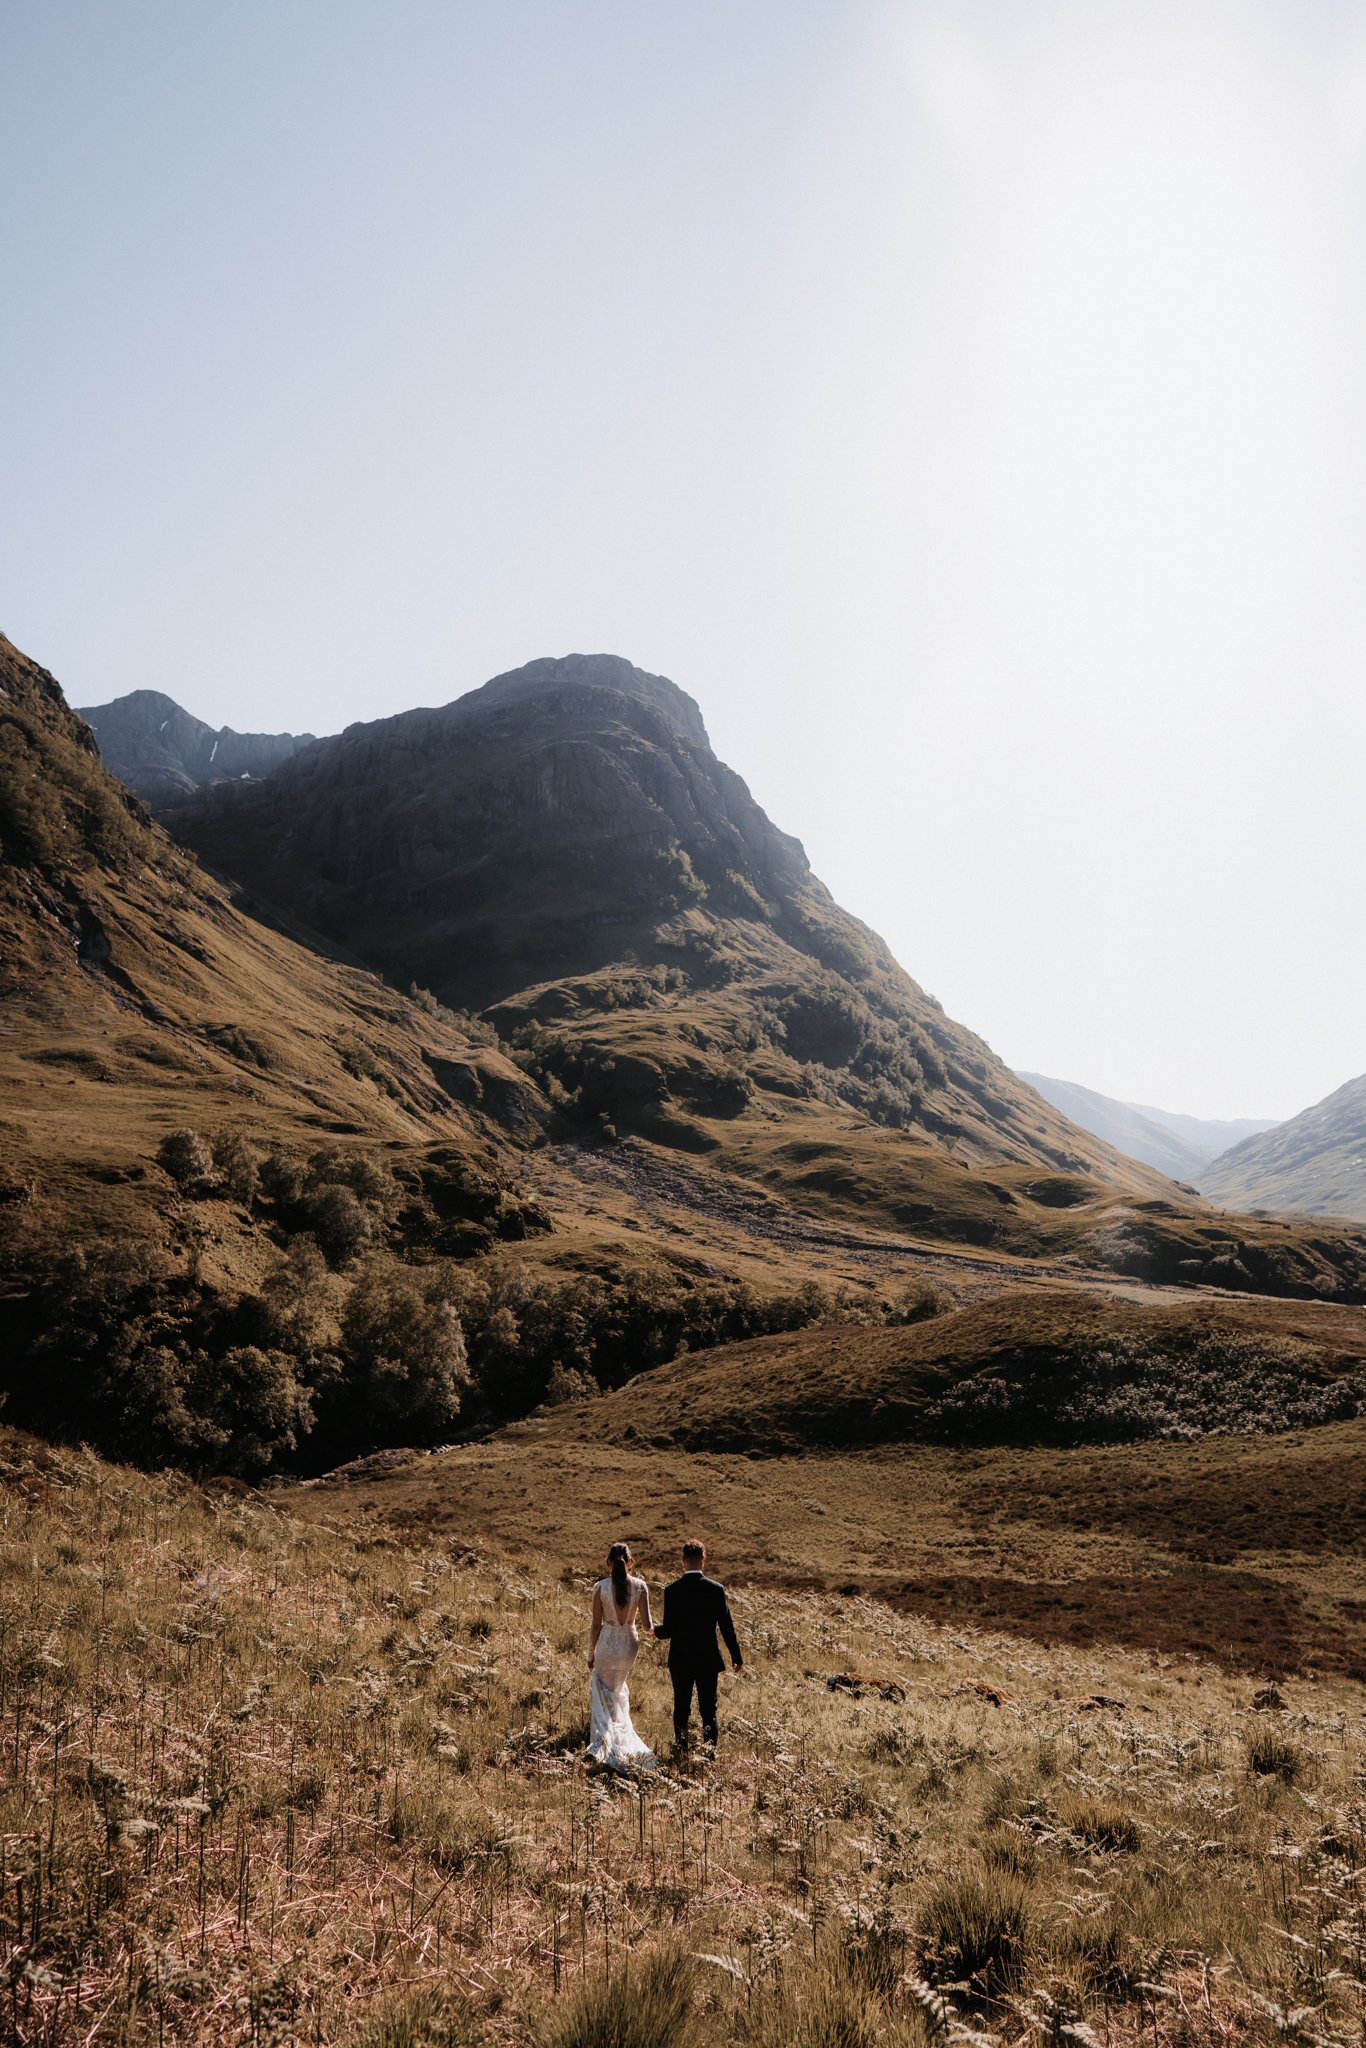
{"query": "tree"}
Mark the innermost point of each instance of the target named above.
(188, 1158)
(236, 1165)
(341, 1223)
(404, 1352)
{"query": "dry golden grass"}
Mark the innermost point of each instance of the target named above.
(265, 1781)
(1247, 1549)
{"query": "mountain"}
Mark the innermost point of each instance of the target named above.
(1181, 1146)
(1207, 1135)
(562, 851)
(138, 998)
(1316, 1162)
(163, 752)
(251, 1195)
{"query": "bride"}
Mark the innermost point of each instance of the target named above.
(621, 1608)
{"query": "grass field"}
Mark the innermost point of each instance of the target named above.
(270, 1781)
(1250, 1550)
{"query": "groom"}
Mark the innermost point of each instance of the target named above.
(694, 1609)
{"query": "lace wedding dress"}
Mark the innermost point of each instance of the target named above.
(611, 1738)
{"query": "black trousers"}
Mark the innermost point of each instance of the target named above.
(685, 1678)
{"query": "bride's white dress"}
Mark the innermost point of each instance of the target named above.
(611, 1738)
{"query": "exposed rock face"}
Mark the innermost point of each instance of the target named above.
(164, 754)
(541, 825)
(1316, 1162)
(563, 850)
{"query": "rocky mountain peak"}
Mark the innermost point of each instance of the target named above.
(164, 753)
(596, 672)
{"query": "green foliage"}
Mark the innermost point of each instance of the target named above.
(297, 1305)
(236, 1165)
(1137, 1388)
(120, 1364)
(467, 1022)
(404, 1353)
(340, 1222)
(187, 1157)
(345, 1199)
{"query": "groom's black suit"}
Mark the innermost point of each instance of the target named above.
(695, 1607)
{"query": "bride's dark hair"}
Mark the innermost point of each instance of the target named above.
(619, 1556)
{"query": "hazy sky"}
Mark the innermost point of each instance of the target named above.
(965, 402)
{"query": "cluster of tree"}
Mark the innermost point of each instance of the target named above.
(342, 1198)
(322, 1363)
(349, 1200)
(151, 1364)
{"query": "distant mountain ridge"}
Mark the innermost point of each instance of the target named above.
(1181, 1146)
(1315, 1163)
(163, 753)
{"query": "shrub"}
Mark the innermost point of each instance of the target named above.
(235, 1164)
(160, 1403)
(188, 1159)
(282, 1179)
(250, 1409)
(421, 2018)
(1270, 1755)
(295, 1307)
(1102, 1826)
(1219, 1384)
(974, 1930)
(647, 2005)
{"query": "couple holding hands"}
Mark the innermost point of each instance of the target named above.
(695, 1609)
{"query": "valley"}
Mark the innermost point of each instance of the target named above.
(392, 1213)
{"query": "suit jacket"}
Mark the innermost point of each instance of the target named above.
(694, 1609)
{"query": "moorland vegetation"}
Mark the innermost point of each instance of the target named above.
(275, 1781)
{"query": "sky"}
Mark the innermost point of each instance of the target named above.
(964, 402)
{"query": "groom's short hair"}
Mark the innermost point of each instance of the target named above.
(692, 1548)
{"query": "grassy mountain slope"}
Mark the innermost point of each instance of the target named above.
(1002, 1370)
(138, 999)
(1316, 1162)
